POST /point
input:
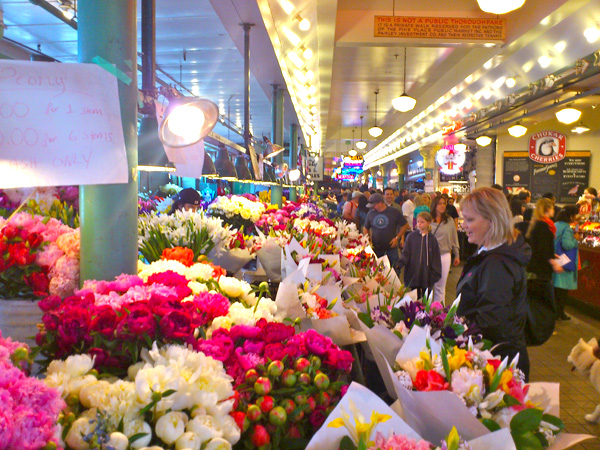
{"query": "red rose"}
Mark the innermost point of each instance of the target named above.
(39, 283)
(10, 231)
(20, 255)
(276, 332)
(317, 417)
(139, 322)
(105, 320)
(176, 325)
(430, 380)
(339, 359)
(35, 240)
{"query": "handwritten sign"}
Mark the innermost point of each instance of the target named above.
(314, 168)
(59, 124)
(469, 28)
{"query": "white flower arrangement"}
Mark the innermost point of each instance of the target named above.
(178, 395)
(237, 205)
(241, 315)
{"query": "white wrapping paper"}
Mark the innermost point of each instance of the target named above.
(231, 260)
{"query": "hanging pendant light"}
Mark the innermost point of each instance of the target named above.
(243, 174)
(517, 130)
(224, 166)
(499, 6)
(187, 120)
(151, 152)
(352, 151)
(375, 131)
(405, 102)
(361, 145)
(483, 140)
(568, 115)
(208, 167)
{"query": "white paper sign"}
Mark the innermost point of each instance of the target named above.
(314, 168)
(61, 125)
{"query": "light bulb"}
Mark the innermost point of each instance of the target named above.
(460, 147)
(304, 25)
(186, 121)
(484, 141)
(517, 130)
(592, 34)
(312, 89)
(580, 129)
(511, 82)
(499, 7)
(375, 131)
(352, 152)
(314, 109)
(307, 53)
(310, 75)
(568, 115)
(544, 61)
(294, 174)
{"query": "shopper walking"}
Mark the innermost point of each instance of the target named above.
(566, 240)
(493, 284)
(385, 227)
(350, 207)
(444, 230)
(408, 209)
(421, 204)
(360, 217)
(421, 257)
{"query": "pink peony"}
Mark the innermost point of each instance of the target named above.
(398, 442)
(48, 256)
(339, 359)
(211, 305)
(317, 343)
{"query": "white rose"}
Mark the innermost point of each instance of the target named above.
(118, 441)
(218, 444)
(188, 440)
(171, 426)
(204, 426)
(80, 428)
(76, 384)
(78, 365)
(138, 427)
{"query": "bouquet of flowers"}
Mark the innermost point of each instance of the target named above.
(193, 230)
(240, 212)
(173, 398)
(60, 202)
(30, 409)
(492, 390)
(38, 255)
(287, 382)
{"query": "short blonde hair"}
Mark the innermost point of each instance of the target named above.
(542, 206)
(492, 205)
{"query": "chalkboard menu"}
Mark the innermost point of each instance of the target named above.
(566, 178)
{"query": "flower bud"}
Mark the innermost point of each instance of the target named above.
(260, 436)
(289, 378)
(276, 368)
(253, 413)
(262, 386)
(277, 416)
(321, 381)
(265, 403)
(302, 365)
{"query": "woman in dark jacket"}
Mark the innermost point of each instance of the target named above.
(493, 284)
(360, 216)
(421, 257)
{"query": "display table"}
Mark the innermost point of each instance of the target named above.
(587, 295)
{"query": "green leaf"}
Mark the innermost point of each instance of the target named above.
(135, 437)
(362, 445)
(297, 411)
(527, 420)
(168, 393)
(491, 424)
(444, 357)
(366, 319)
(145, 409)
(526, 441)
(397, 315)
(347, 444)
(509, 400)
(555, 421)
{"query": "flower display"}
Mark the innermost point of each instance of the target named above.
(174, 398)
(38, 256)
(288, 382)
(492, 390)
(189, 229)
(30, 409)
(240, 211)
(57, 202)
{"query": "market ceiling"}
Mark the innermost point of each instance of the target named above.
(199, 44)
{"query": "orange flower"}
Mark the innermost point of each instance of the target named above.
(217, 271)
(184, 255)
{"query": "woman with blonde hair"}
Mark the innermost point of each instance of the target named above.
(493, 284)
(421, 257)
(421, 204)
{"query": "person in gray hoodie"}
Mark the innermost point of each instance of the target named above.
(421, 257)
(444, 230)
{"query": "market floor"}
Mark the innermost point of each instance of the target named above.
(549, 363)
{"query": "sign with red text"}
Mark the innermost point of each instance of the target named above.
(547, 147)
(61, 125)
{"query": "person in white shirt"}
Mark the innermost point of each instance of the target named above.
(408, 208)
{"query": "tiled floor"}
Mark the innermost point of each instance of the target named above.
(549, 363)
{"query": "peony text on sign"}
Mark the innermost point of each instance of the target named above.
(61, 125)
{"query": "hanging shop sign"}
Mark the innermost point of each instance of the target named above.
(454, 126)
(314, 168)
(547, 147)
(566, 178)
(468, 28)
(415, 168)
(61, 125)
(450, 160)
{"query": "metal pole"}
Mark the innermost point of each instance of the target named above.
(247, 27)
(277, 131)
(108, 213)
(293, 156)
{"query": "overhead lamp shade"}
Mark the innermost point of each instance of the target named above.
(568, 115)
(581, 128)
(460, 147)
(224, 166)
(352, 152)
(375, 131)
(484, 141)
(517, 130)
(241, 167)
(404, 103)
(499, 6)
(361, 145)
(187, 121)
(272, 150)
(151, 152)
(269, 174)
(208, 167)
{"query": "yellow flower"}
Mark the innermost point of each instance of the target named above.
(458, 359)
(360, 430)
(507, 375)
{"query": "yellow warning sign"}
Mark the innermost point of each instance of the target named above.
(468, 28)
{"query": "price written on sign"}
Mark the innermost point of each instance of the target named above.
(61, 124)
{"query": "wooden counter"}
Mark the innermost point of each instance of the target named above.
(587, 295)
